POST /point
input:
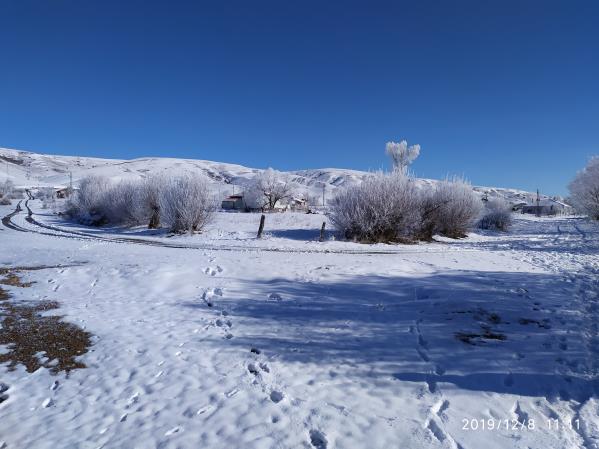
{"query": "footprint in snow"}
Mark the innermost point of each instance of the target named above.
(318, 439)
(3, 390)
(174, 430)
(276, 396)
(440, 408)
(213, 271)
(275, 297)
(132, 400)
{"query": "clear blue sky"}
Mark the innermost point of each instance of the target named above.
(503, 92)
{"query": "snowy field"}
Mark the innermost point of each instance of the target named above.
(224, 341)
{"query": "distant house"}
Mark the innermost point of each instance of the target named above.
(517, 207)
(297, 204)
(547, 206)
(233, 202)
(62, 192)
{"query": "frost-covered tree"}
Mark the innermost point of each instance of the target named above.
(584, 189)
(401, 154)
(267, 189)
(186, 203)
(497, 214)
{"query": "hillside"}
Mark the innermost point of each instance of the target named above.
(33, 169)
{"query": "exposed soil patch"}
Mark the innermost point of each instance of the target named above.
(35, 340)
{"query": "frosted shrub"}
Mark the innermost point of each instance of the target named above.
(120, 202)
(584, 189)
(458, 207)
(7, 189)
(186, 203)
(46, 194)
(497, 214)
(89, 204)
(384, 208)
(148, 208)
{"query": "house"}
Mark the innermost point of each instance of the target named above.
(517, 207)
(233, 202)
(63, 192)
(297, 204)
(547, 206)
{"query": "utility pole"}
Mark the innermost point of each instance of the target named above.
(71, 180)
(538, 204)
(323, 188)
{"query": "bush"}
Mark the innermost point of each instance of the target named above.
(186, 203)
(384, 208)
(456, 207)
(6, 189)
(148, 209)
(390, 208)
(584, 189)
(497, 215)
(89, 204)
(5, 201)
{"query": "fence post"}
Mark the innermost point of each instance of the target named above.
(322, 232)
(261, 227)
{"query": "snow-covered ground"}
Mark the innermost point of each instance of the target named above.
(221, 340)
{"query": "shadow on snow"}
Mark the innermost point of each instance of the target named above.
(499, 332)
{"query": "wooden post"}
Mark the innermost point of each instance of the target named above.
(261, 228)
(322, 232)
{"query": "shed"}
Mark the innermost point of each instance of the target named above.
(233, 202)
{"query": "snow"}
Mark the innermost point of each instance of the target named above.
(222, 340)
(41, 170)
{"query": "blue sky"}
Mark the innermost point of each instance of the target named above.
(505, 93)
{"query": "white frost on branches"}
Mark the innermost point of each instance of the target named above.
(183, 203)
(267, 189)
(401, 154)
(391, 208)
(584, 189)
(186, 203)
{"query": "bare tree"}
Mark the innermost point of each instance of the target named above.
(584, 189)
(401, 154)
(267, 189)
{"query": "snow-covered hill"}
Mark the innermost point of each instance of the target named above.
(33, 169)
